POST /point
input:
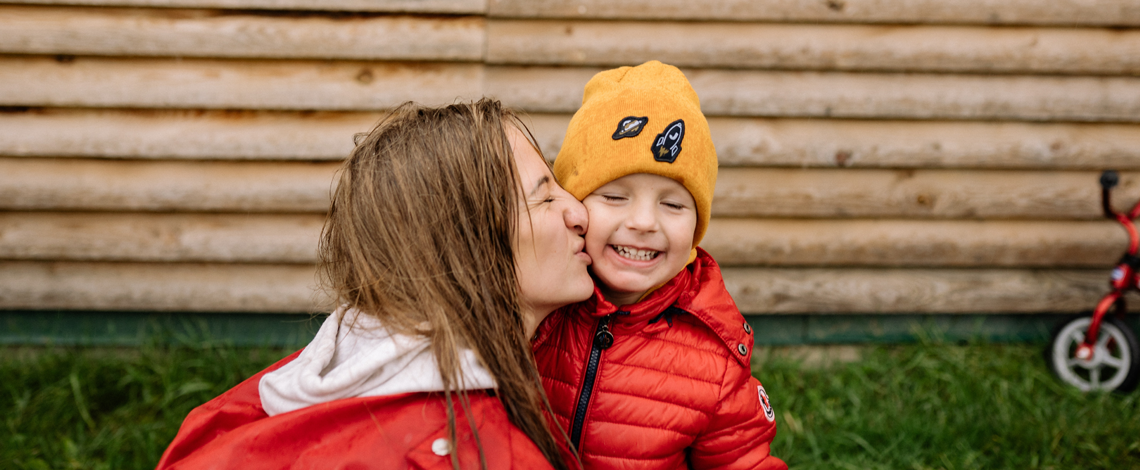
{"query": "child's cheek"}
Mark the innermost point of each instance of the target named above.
(595, 239)
(595, 244)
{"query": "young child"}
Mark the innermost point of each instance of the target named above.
(653, 371)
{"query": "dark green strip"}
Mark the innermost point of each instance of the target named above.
(895, 328)
(102, 328)
(136, 328)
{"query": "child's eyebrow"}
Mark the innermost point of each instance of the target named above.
(538, 185)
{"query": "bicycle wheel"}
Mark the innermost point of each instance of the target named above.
(1115, 365)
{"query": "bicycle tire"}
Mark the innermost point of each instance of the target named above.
(1058, 355)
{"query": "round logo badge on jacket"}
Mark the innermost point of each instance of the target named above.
(768, 413)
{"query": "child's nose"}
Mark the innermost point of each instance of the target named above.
(642, 218)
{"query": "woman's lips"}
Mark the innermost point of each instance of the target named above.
(580, 253)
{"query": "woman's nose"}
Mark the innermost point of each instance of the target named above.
(576, 217)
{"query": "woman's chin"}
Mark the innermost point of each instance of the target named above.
(583, 288)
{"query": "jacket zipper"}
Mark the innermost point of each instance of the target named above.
(603, 339)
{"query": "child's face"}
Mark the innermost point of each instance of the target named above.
(641, 233)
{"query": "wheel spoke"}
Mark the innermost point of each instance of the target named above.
(1074, 363)
(1102, 341)
(1114, 362)
(1094, 377)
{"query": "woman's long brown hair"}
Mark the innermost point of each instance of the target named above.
(421, 236)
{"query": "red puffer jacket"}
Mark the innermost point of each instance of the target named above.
(665, 383)
(406, 431)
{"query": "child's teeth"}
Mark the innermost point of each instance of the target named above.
(634, 253)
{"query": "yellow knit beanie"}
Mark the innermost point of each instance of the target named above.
(643, 119)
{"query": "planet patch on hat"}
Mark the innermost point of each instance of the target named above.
(630, 127)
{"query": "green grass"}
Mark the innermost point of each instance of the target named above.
(899, 407)
(105, 408)
(933, 406)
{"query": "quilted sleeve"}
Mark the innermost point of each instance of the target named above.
(740, 432)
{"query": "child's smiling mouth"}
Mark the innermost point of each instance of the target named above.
(634, 254)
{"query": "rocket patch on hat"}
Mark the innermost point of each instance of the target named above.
(667, 144)
(630, 127)
(768, 413)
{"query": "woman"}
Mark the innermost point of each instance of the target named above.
(445, 254)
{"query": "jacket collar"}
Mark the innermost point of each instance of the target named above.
(698, 290)
(677, 291)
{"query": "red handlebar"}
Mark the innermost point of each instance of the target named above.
(1132, 214)
(1108, 180)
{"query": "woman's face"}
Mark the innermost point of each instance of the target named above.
(549, 253)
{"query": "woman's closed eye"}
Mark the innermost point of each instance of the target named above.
(541, 194)
(540, 199)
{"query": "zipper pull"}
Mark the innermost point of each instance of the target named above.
(603, 339)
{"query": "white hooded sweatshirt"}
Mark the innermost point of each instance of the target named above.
(363, 361)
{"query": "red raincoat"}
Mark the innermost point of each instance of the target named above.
(666, 383)
(407, 431)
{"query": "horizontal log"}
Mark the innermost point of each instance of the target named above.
(160, 287)
(773, 290)
(919, 144)
(261, 135)
(225, 238)
(201, 83)
(212, 33)
(951, 194)
(106, 82)
(291, 288)
(1058, 12)
(968, 49)
(815, 94)
(181, 134)
(60, 184)
(912, 243)
(292, 238)
(1061, 12)
(110, 185)
(394, 6)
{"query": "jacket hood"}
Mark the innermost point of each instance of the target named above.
(361, 361)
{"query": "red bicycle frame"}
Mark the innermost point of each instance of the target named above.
(1124, 275)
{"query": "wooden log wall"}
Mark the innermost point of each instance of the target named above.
(877, 156)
